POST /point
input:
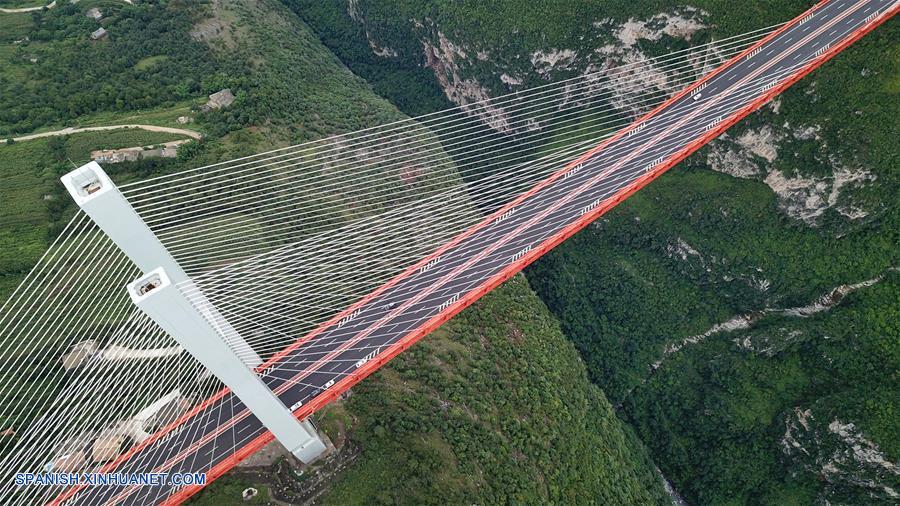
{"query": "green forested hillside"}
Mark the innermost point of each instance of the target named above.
(54, 73)
(501, 37)
(725, 417)
(289, 89)
(495, 408)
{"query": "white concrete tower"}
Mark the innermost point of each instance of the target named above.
(98, 196)
(199, 328)
(164, 302)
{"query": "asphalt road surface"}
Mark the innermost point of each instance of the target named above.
(491, 252)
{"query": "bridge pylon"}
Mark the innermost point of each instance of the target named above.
(193, 322)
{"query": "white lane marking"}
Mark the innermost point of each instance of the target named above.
(590, 207)
(713, 124)
(347, 319)
(435, 261)
(447, 303)
(504, 216)
(515, 257)
(644, 124)
(822, 50)
(769, 86)
(654, 163)
(368, 357)
(571, 172)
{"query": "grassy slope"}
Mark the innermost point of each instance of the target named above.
(34, 204)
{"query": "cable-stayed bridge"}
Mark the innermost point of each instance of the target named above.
(316, 264)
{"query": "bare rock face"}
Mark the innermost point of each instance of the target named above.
(208, 29)
(444, 59)
(760, 143)
(70, 462)
(839, 453)
(545, 63)
(108, 445)
(615, 69)
(220, 99)
(807, 198)
(459, 66)
(745, 156)
(377, 48)
(680, 25)
(803, 197)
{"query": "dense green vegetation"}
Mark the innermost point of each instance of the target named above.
(157, 55)
(13, 4)
(292, 85)
(64, 74)
(407, 84)
(294, 90)
(494, 408)
(622, 293)
(524, 24)
(506, 33)
(722, 410)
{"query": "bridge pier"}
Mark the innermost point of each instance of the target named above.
(194, 323)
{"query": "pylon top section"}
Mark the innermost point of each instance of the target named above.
(87, 182)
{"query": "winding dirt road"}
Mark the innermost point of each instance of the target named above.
(72, 130)
(39, 7)
(29, 9)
